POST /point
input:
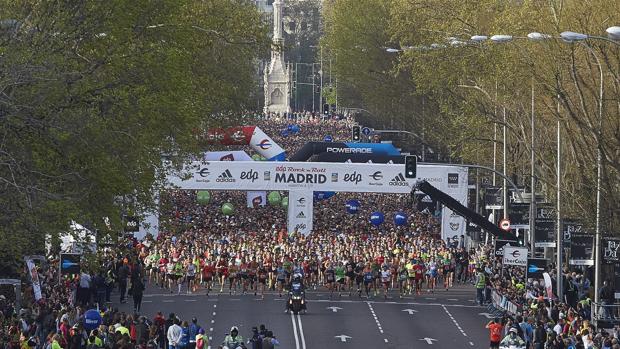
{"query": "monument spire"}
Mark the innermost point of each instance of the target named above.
(277, 76)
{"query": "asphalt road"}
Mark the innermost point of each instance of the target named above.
(440, 320)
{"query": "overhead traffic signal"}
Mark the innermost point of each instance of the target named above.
(411, 164)
(356, 134)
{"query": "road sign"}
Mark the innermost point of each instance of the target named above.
(504, 224)
(428, 340)
(366, 131)
(334, 309)
(410, 311)
(343, 337)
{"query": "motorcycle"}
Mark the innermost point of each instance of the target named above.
(296, 301)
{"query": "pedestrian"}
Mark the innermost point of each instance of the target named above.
(495, 333)
(137, 290)
(122, 275)
(174, 335)
(480, 286)
(270, 341)
(606, 294)
(194, 328)
(202, 341)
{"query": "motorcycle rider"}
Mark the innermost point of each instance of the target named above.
(233, 340)
(513, 339)
(296, 286)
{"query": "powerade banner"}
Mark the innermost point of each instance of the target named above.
(247, 135)
(70, 263)
(300, 215)
(359, 158)
(327, 177)
(581, 249)
(314, 148)
(536, 267)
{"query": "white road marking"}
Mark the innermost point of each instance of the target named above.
(168, 301)
(453, 299)
(454, 321)
(147, 301)
(295, 331)
(372, 311)
(301, 332)
(385, 339)
(471, 343)
(213, 313)
(400, 303)
(428, 340)
(190, 300)
(343, 337)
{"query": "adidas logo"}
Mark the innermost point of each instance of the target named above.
(399, 181)
(225, 176)
(301, 215)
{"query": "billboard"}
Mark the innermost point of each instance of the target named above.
(515, 256)
(300, 211)
(581, 249)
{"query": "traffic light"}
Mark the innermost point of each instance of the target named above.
(411, 164)
(357, 134)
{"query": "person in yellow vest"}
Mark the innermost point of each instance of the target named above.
(55, 342)
(202, 341)
(122, 329)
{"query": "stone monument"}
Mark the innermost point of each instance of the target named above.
(277, 77)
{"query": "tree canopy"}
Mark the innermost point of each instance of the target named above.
(467, 85)
(93, 93)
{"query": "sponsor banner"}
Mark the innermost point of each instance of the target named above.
(300, 207)
(227, 156)
(265, 146)
(515, 256)
(610, 251)
(314, 148)
(132, 224)
(256, 198)
(247, 135)
(34, 276)
(425, 203)
(581, 249)
(70, 263)
(536, 267)
(493, 198)
(519, 216)
(570, 227)
(369, 178)
(328, 177)
(501, 244)
(360, 158)
(545, 232)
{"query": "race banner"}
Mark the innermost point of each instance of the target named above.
(515, 256)
(132, 224)
(536, 267)
(34, 276)
(70, 263)
(610, 250)
(256, 198)
(300, 211)
(581, 249)
(315, 148)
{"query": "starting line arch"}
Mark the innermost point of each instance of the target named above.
(301, 179)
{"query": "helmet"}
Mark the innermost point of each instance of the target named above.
(233, 329)
(297, 277)
(514, 330)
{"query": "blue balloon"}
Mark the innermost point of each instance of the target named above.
(400, 218)
(353, 206)
(289, 127)
(376, 218)
(295, 129)
(328, 138)
(323, 195)
(92, 319)
(284, 133)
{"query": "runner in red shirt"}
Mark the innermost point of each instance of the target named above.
(208, 270)
(495, 333)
